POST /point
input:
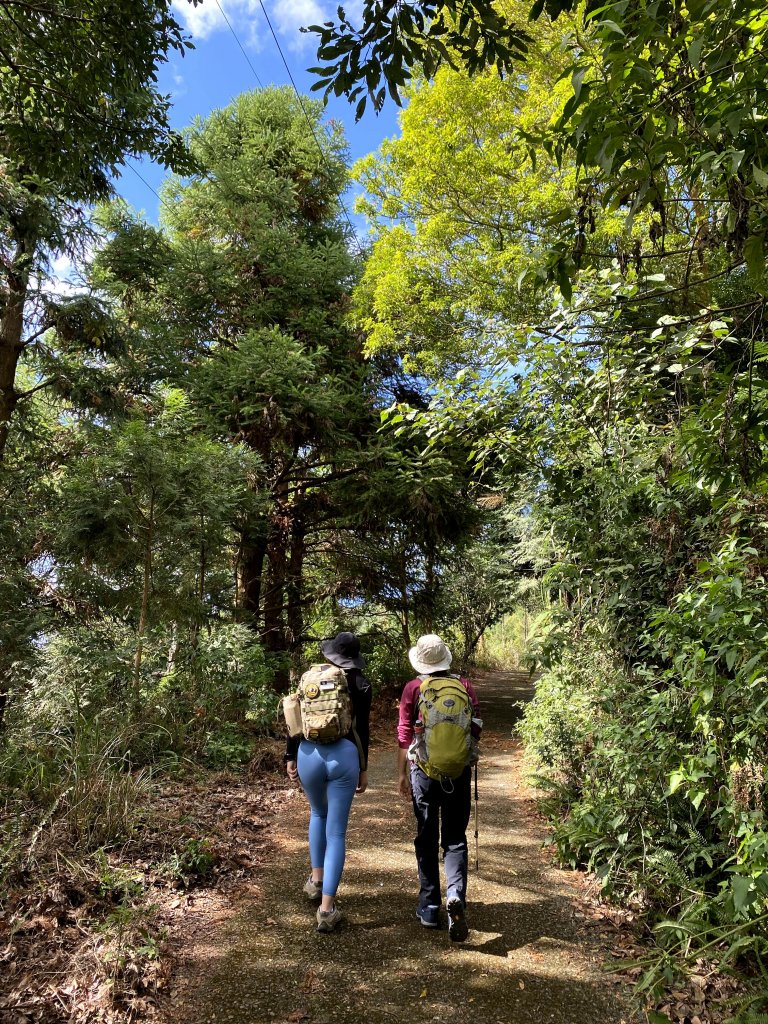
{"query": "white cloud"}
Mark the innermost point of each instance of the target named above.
(208, 17)
(63, 277)
(62, 266)
(288, 17)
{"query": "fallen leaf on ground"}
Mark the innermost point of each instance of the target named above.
(311, 981)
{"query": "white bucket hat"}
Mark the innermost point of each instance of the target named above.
(430, 655)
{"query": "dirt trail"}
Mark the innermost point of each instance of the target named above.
(526, 959)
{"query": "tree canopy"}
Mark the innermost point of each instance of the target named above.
(665, 100)
(573, 252)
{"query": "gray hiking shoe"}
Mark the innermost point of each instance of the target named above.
(458, 928)
(329, 920)
(313, 890)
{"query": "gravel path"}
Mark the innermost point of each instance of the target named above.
(527, 958)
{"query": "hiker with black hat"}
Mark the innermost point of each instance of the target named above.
(438, 732)
(328, 752)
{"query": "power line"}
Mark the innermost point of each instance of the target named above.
(308, 120)
(231, 29)
(144, 180)
(285, 62)
(300, 99)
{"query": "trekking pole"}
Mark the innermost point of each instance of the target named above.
(477, 834)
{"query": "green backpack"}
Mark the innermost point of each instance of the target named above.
(443, 744)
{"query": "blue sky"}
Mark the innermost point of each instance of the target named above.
(216, 70)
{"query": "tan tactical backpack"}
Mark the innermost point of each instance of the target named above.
(321, 708)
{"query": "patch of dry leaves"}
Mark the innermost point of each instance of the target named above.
(86, 937)
(705, 995)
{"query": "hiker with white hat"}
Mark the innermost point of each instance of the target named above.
(438, 733)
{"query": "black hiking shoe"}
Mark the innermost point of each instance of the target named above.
(458, 929)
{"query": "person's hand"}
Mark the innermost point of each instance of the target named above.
(291, 770)
(404, 787)
(362, 782)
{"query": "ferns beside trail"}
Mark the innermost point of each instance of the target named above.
(655, 772)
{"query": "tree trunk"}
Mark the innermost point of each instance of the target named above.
(173, 649)
(195, 631)
(405, 624)
(11, 347)
(473, 634)
(429, 595)
(5, 688)
(253, 551)
(274, 633)
(294, 591)
(144, 609)
(11, 331)
(203, 562)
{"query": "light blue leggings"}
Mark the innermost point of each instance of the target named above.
(329, 773)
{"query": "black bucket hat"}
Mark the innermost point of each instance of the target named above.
(343, 651)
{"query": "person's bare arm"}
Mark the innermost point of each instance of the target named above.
(403, 781)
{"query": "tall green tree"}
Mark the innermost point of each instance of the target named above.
(142, 521)
(242, 298)
(462, 222)
(78, 96)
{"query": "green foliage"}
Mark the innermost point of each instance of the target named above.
(397, 36)
(226, 747)
(508, 643)
(614, 393)
(81, 778)
(463, 222)
(565, 714)
(690, 87)
(240, 302)
(216, 680)
(476, 588)
(688, 84)
(192, 864)
(78, 90)
(77, 96)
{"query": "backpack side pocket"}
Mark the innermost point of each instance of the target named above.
(292, 713)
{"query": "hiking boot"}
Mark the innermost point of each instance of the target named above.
(313, 890)
(458, 929)
(429, 916)
(329, 920)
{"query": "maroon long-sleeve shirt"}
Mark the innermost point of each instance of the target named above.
(409, 708)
